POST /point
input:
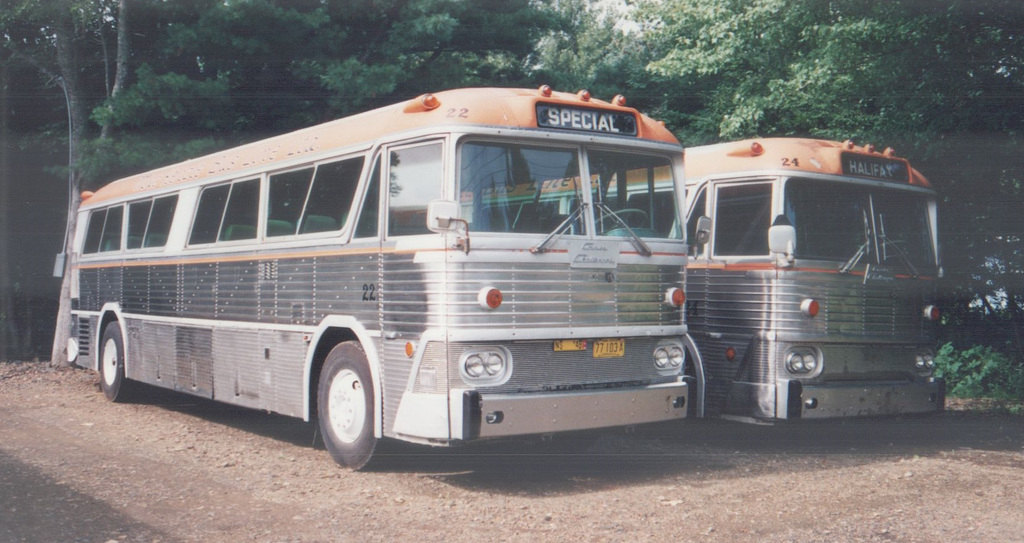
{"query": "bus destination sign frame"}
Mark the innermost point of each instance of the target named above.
(885, 169)
(579, 119)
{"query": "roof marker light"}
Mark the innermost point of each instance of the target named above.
(584, 95)
(756, 149)
(545, 90)
(430, 101)
(870, 148)
(848, 144)
(619, 100)
(889, 151)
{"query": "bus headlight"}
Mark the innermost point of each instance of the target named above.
(924, 361)
(491, 366)
(669, 356)
(802, 360)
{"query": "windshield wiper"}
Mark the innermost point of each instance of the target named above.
(903, 256)
(862, 250)
(542, 247)
(638, 243)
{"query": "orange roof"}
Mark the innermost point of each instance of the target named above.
(799, 155)
(498, 107)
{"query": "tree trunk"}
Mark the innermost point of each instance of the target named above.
(123, 50)
(6, 288)
(78, 116)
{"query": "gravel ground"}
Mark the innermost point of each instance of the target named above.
(172, 468)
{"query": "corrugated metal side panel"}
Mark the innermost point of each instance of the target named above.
(395, 379)
(239, 368)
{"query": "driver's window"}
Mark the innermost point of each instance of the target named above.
(742, 218)
(699, 210)
(415, 176)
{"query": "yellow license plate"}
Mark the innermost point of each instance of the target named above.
(609, 348)
(562, 345)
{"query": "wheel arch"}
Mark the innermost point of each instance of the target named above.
(331, 332)
(110, 313)
(697, 362)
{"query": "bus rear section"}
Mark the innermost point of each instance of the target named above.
(812, 291)
(467, 265)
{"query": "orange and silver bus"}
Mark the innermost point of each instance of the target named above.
(465, 265)
(812, 288)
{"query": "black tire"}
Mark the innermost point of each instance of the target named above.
(345, 405)
(112, 378)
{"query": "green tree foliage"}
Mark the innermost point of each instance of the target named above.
(979, 371)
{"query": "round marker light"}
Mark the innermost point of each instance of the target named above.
(619, 100)
(545, 90)
(810, 307)
(675, 297)
(756, 149)
(848, 144)
(489, 298)
(410, 349)
(583, 95)
(730, 354)
(932, 313)
(430, 101)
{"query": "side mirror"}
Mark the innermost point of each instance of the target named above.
(442, 215)
(703, 231)
(782, 237)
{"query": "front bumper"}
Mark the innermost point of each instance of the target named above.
(503, 415)
(859, 399)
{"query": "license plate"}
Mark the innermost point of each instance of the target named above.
(562, 345)
(609, 348)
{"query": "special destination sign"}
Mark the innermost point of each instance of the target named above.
(586, 120)
(875, 167)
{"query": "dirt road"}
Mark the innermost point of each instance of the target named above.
(75, 468)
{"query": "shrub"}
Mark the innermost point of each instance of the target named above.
(978, 372)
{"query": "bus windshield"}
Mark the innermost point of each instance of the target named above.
(837, 221)
(524, 189)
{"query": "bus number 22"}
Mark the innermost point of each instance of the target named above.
(369, 292)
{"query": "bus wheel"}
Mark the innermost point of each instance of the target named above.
(112, 379)
(345, 406)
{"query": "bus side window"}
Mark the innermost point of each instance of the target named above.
(742, 218)
(330, 197)
(95, 231)
(240, 214)
(111, 238)
(138, 217)
(209, 214)
(160, 221)
(288, 193)
(367, 226)
(415, 176)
